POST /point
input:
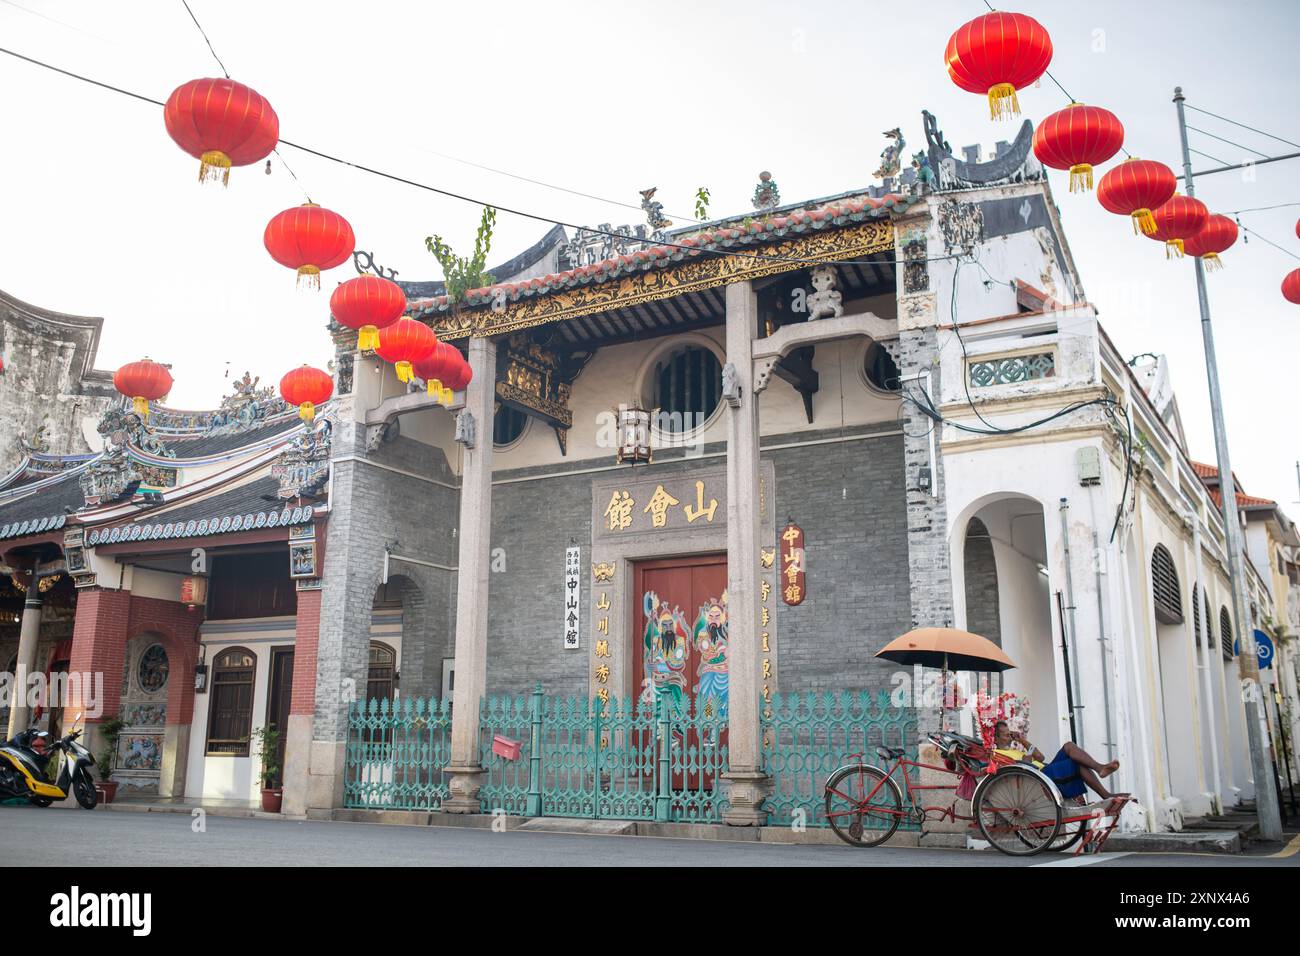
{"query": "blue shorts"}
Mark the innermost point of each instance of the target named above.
(1064, 772)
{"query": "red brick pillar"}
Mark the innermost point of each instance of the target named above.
(306, 641)
(302, 706)
(98, 652)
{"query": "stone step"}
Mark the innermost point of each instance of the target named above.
(1182, 841)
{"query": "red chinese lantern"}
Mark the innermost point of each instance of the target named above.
(221, 123)
(306, 387)
(1291, 286)
(1177, 221)
(436, 368)
(461, 374)
(311, 239)
(998, 54)
(404, 343)
(143, 382)
(368, 304)
(1078, 138)
(1134, 188)
(1216, 236)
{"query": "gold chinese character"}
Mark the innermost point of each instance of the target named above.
(603, 625)
(602, 648)
(791, 535)
(792, 594)
(766, 649)
(767, 694)
(618, 516)
(604, 741)
(602, 673)
(767, 617)
(765, 588)
(767, 669)
(604, 602)
(694, 512)
(792, 573)
(603, 694)
(658, 506)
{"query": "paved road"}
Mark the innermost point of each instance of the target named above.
(53, 837)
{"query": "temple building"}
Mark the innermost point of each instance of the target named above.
(641, 566)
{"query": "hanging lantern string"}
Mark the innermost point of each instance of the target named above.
(1267, 240)
(1048, 74)
(204, 34)
(1242, 125)
(213, 50)
(696, 250)
(1228, 141)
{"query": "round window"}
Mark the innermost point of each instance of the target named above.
(153, 669)
(686, 387)
(879, 367)
(507, 425)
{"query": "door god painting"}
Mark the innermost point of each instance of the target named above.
(711, 643)
(666, 654)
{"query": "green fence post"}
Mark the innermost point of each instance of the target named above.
(533, 807)
(663, 796)
(597, 713)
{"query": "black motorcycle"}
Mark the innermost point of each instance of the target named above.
(25, 765)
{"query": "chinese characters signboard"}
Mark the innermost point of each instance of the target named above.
(793, 585)
(572, 597)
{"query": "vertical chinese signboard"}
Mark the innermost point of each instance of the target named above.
(793, 584)
(572, 598)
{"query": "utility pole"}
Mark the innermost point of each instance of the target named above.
(1266, 801)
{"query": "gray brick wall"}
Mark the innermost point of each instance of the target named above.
(372, 507)
(981, 573)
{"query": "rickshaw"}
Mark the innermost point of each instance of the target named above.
(1018, 809)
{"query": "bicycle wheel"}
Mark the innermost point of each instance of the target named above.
(863, 805)
(1017, 812)
(1072, 831)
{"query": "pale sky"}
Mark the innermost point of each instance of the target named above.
(101, 214)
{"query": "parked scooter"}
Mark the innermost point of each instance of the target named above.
(25, 763)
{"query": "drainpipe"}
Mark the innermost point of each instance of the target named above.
(1073, 663)
(1101, 643)
(1204, 658)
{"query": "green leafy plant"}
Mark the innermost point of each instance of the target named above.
(109, 730)
(702, 203)
(463, 273)
(268, 740)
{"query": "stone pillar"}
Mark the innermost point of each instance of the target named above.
(302, 704)
(472, 579)
(28, 637)
(745, 775)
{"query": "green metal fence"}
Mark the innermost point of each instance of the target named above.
(396, 752)
(806, 736)
(624, 760)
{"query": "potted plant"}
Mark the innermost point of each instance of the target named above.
(268, 741)
(109, 730)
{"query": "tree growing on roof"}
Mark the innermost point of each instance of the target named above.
(461, 273)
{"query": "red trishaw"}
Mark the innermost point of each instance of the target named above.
(1017, 808)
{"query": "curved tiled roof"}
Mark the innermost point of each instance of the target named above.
(248, 507)
(44, 509)
(719, 239)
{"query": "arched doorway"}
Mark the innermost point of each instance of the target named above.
(1008, 600)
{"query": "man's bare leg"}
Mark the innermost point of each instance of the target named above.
(1090, 771)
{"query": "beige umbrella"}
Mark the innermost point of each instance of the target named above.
(946, 647)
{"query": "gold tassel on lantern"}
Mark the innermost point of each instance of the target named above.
(1002, 101)
(448, 396)
(403, 371)
(1173, 247)
(1081, 178)
(307, 411)
(1143, 221)
(141, 406)
(433, 387)
(1212, 261)
(308, 277)
(367, 338)
(214, 165)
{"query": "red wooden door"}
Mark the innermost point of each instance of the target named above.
(679, 633)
